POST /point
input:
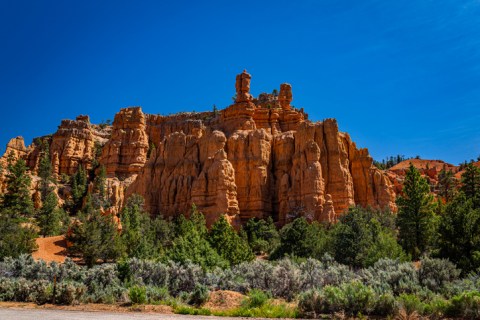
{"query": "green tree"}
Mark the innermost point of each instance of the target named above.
(45, 171)
(100, 189)
(459, 233)
(16, 238)
(228, 243)
(302, 239)
(95, 237)
(79, 188)
(17, 199)
(138, 231)
(447, 185)
(471, 183)
(50, 217)
(360, 240)
(262, 235)
(191, 244)
(415, 219)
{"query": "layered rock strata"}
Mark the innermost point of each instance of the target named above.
(258, 157)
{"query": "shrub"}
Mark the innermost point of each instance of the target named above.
(156, 294)
(465, 305)
(148, 272)
(256, 298)
(385, 305)
(69, 293)
(436, 274)
(352, 298)
(199, 296)
(391, 275)
(286, 280)
(137, 295)
(410, 303)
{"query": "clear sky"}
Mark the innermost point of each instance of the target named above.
(402, 77)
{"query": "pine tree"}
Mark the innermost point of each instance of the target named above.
(459, 233)
(471, 184)
(79, 187)
(50, 216)
(138, 233)
(191, 243)
(415, 218)
(15, 238)
(17, 199)
(45, 171)
(228, 243)
(95, 236)
(447, 185)
(100, 188)
(262, 235)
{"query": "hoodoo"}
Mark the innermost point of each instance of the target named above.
(258, 157)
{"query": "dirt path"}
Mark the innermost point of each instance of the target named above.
(51, 249)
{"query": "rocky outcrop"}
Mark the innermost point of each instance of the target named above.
(258, 157)
(125, 152)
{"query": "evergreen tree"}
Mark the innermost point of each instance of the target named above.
(262, 235)
(471, 184)
(447, 185)
(360, 240)
(415, 218)
(15, 238)
(459, 233)
(228, 243)
(100, 188)
(301, 239)
(138, 233)
(191, 244)
(79, 187)
(45, 171)
(17, 200)
(95, 237)
(50, 217)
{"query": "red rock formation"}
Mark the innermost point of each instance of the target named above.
(126, 150)
(256, 158)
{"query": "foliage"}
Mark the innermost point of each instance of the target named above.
(465, 305)
(229, 245)
(95, 237)
(447, 185)
(17, 201)
(138, 234)
(50, 217)
(199, 295)
(471, 184)
(16, 238)
(459, 231)
(79, 187)
(415, 218)
(138, 294)
(359, 239)
(262, 235)
(191, 243)
(301, 239)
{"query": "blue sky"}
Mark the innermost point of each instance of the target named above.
(402, 77)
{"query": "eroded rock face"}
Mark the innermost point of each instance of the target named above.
(126, 151)
(258, 157)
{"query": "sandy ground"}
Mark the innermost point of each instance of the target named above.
(51, 249)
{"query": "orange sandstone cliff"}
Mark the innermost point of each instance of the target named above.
(258, 157)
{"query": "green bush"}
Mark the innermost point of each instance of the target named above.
(199, 296)
(137, 295)
(410, 303)
(69, 293)
(256, 298)
(156, 294)
(465, 305)
(353, 298)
